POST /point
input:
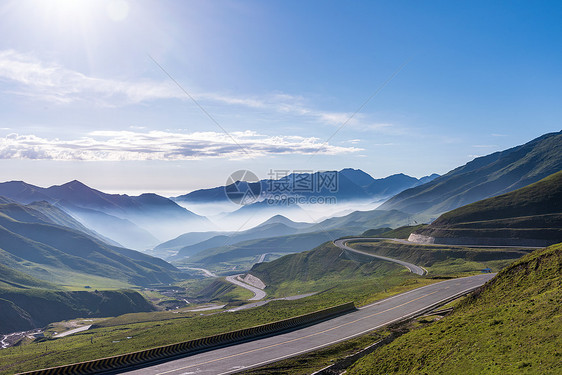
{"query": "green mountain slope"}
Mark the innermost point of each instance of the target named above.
(33, 308)
(529, 214)
(359, 221)
(232, 238)
(325, 261)
(484, 177)
(511, 326)
(10, 278)
(316, 234)
(44, 212)
(253, 248)
(148, 215)
(47, 251)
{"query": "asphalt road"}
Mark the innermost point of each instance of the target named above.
(239, 357)
(258, 293)
(412, 267)
(72, 331)
(206, 272)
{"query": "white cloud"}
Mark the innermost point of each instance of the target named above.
(160, 145)
(55, 83)
(52, 82)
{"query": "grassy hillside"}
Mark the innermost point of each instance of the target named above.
(44, 212)
(375, 232)
(328, 268)
(221, 240)
(402, 232)
(325, 261)
(244, 253)
(129, 337)
(484, 177)
(10, 278)
(511, 326)
(441, 260)
(532, 212)
(357, 222)
(32, 244)
(33, 308)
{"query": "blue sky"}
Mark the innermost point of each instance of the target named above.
(82, 98)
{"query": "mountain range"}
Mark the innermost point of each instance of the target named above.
(138, 222)
(529, 216)
(483, 177)
(37, 245)
(281, 235)
(345, 185)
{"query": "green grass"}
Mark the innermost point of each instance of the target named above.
(442, 260)
(402, 232)
(542, 197)
(74, 281)
(339, 276)
(328, 267)
(113, 339)
(511, 327)
(11, 278)
(103, 342)
(376, 232)
(30, 308)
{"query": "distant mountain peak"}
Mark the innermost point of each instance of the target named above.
(75, 184)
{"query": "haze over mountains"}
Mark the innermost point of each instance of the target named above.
(309, 197)
(145, 221)
(345, 185)
(137, 222)
(35, 244)
(68, 236)
(142, 222)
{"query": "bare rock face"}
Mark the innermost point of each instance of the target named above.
(420, 238)
(253, 281)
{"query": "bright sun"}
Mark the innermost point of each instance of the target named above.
(75, 10)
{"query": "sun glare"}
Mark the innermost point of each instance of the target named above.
(77, 11)
(117, 10)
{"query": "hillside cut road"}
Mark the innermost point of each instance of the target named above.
(258, 293)
(342, 244)
(240, 357)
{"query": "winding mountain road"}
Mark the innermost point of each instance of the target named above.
(342, 244)
(258, 293)
(240, 357)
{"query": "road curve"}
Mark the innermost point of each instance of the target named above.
(240, 357)
(258, 293)
(342, 244)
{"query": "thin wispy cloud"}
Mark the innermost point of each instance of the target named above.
(52, 82)
(160, 145)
